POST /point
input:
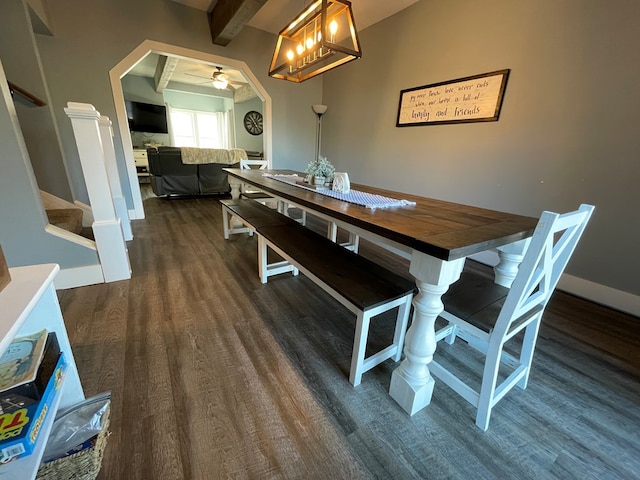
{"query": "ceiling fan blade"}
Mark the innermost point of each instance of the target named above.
(199, 76)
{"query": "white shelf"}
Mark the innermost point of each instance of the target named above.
(27, 305)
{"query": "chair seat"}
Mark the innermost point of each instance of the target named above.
(255, 195)
(476, 300)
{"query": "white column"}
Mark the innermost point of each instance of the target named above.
(412, 383)
(112, 249)
(119, 203)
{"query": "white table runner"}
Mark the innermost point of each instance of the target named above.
(368, 200)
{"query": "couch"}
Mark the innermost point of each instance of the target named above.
(170, 176)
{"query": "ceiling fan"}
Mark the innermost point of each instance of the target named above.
(220, 80)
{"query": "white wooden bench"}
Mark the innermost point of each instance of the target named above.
(362, 286)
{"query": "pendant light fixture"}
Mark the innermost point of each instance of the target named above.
(323, 36)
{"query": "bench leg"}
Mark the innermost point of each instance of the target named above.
(359, 348)
(225, 222)
(360, 364)
(232, 224)
(332, 232)
(262, 259)
(265, 269)
(402, 321)
(354, 242)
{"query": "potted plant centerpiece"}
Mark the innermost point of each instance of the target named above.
(320, 171)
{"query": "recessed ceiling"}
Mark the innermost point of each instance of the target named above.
(191, 72)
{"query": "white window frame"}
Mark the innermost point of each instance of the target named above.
(197, 139)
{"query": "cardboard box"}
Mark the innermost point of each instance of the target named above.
(20, 429)
(5, 276)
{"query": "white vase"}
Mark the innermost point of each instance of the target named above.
(318, 181)
(341, 182)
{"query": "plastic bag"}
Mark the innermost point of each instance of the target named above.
(76, 425)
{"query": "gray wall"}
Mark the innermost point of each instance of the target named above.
(22, 66)
(568, 132)
(22, 217)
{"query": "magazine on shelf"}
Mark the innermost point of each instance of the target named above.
(19, 364)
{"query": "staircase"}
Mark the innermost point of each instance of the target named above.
(69, 219)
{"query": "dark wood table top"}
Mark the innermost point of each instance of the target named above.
(441, 229)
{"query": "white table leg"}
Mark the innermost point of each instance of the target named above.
(412, 383)
(511, 256)
(235, 185)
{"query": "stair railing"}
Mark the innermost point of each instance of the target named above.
(106, 134)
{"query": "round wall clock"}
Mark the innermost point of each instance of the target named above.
(253, 122)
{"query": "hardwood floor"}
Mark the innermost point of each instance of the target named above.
(214, 375)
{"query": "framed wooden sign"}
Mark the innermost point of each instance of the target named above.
(470, 99)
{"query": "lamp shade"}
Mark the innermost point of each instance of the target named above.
(319, 109)
(321, 37)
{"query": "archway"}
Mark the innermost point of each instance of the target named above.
(126, 64)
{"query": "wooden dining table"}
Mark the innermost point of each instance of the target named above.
(434, 235)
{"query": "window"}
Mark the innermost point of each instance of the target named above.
(190, 128)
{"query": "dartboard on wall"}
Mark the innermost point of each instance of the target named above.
(253, 122)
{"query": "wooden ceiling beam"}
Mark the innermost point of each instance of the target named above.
(164, 71)
(228, 17)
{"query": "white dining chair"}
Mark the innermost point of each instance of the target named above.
(246, 164)
(251, 192)
(487, 315)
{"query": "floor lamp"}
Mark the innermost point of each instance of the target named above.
(319, 111)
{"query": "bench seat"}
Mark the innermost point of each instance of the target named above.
(364, 287)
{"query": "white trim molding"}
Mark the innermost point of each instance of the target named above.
(78, 277)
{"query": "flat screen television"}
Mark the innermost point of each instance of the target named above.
(145, 117)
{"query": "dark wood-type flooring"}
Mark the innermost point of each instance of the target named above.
(214, 375)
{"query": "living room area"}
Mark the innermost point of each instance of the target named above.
(193, 106)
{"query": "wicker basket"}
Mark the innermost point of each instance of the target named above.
(84, 465)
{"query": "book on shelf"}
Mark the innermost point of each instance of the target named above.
(19, 363)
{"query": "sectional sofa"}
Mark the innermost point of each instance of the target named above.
(170, 176)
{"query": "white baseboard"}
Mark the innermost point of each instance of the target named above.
(136, 215)
(610, 297)
(78, 277)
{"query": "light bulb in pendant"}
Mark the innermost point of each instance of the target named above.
(333, 27)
